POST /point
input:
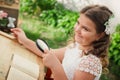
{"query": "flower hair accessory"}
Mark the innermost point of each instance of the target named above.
(110, 25)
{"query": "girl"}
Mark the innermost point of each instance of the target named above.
(87, 56)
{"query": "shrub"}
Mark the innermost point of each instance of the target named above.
(34, 7)
(114, 49)
(59, 17)
(46, 4)
(114, 53)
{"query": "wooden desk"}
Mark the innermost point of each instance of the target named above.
(8, 47)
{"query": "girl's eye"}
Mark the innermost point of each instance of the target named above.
(85, 28)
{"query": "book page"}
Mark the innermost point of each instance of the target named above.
(15, 74)
(25, 66)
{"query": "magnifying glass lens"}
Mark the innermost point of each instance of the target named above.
(42, 45)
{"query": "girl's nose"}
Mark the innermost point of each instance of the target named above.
(77, 28)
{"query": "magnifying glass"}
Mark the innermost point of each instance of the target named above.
(42, 45)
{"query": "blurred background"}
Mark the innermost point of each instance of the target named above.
(53, 21)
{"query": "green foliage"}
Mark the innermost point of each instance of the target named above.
(114, 53)
(114, 70)
(46, 4)
(34, 7)
(115, 48)
(53, 13)
(61, 21)
(59, 17)
(29, 6)
(104, 77)
(118, 28)
(35, 29)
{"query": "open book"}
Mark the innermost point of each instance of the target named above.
(23, 69)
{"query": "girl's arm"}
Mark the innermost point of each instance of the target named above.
(31, 45)
(51, 61)
(22, 39)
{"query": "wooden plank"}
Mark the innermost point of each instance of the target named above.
(9, 47)
(7, 35)
(13, 6)
(5, 57)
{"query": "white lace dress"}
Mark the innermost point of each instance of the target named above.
(73, 61)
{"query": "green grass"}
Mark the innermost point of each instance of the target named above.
(34, 29)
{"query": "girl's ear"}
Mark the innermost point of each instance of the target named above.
(100, 36)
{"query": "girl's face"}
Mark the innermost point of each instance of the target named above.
(85, 32)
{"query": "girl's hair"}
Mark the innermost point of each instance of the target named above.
(99, 15)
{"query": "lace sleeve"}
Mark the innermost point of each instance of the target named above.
(90, 64)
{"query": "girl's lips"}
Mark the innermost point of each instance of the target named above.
(78, 34)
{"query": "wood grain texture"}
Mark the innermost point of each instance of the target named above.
(8, 47)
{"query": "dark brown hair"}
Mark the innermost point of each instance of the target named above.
(99, 15)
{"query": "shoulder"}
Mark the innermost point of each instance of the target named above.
(91, 59)
(72, 45)
(91, 64)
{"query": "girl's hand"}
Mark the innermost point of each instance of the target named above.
(50, 60)
(20, 35)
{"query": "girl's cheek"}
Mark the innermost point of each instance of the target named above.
(76, 28)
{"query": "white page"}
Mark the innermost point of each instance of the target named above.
(15, 74)
(26, 66)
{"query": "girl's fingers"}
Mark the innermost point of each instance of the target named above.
(43, 55)
(46, 51)
(16, 29)
(15, 33)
